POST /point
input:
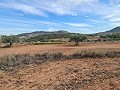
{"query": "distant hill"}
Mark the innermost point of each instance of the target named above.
(114, 30)
(32, 34)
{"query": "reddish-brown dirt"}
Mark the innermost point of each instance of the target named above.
(80, 74)
(64, 48)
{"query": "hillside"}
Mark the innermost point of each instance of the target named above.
(32, 34)
(114, 30)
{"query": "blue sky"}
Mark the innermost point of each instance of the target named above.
(81, 16)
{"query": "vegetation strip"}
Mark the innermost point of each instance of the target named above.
(10, 62)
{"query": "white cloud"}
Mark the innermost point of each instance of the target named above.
(27, 21)
(115, 19)
(20, 14)
(115, 24)
(77, 24)
(60, 7)
(19, 25)
(95, 21)
(23, 7)
(51, 29)
(114, 13)
(114, 2)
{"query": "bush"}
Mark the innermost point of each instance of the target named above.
(113, 54)
(40, 58)
(92, 54)
(15, 61)
(88, 54)
(57, 56)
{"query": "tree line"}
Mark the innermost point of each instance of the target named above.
(9, 40)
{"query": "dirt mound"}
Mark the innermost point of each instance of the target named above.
(79, 74)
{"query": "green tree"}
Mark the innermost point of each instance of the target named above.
(9, 40)
(77, 38)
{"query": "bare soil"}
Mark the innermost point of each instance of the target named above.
(64, 48)
(79, 74)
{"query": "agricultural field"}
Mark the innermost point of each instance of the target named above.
(77, 74)
(66, 70)
(59, 44)
(64, 48)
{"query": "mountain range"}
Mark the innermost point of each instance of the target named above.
(114, 30)
(32, 34)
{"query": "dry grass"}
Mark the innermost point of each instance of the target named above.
(2, 74)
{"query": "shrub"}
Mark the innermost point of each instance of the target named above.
(88, 54)
(113, 54)
(57, 56)
(40, 58)
(15, 61)
(92, 54)
(76, 55)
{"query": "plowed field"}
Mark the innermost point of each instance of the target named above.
(76, 74)
(81, 74)
(64, 48)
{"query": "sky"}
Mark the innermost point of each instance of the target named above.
(80, 16)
